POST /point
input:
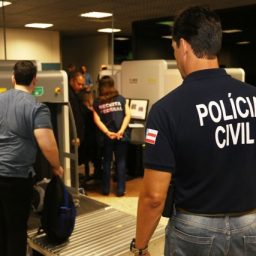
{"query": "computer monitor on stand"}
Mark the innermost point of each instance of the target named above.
(139, 109)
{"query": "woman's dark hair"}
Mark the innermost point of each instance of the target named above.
(84, 95)
(24, 72)
(201, 28)
(107, 90)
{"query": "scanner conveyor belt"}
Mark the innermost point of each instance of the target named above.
(105, 232)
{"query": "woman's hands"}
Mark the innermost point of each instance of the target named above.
(111, 135)
(114, 135)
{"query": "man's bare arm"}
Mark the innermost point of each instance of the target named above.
(151, 203)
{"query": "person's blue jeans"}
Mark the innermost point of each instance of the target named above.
(120, 150)
(193, 235)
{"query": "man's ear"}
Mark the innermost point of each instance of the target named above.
(184, 45)
(33, 82)
(13, 80)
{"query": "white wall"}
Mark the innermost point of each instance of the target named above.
(32, 44)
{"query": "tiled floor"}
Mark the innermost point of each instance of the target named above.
(127, 203)
(132, 188)
(93, 187)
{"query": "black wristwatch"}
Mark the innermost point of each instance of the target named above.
(137, 251)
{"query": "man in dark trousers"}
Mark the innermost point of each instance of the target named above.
(76, 84)
(24, 125)
(201, 136)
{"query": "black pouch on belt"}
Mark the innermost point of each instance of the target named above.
(169, 201)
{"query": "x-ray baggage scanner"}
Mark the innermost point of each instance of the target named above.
(52, 89)
(152, 79)
(143, 79)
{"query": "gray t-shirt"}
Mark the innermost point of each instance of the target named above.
(20, 114)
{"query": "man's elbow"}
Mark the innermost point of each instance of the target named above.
(154, 200)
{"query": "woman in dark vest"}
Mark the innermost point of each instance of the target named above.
(112, 116)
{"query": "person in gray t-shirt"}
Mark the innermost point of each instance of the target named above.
(25, 124)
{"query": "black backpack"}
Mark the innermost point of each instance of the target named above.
(38, 194)
(59, 212)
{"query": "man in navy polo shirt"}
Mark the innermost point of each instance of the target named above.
(201, 137)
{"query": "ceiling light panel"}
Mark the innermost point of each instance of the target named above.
(38, 25)
(122, 38)
(4, 3)
(96, 15)
(167, 37)
(230, 31)
(109, 30)
(243, 42)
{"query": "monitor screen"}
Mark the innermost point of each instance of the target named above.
(139, 108)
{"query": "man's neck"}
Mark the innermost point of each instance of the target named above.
(201, 64)
(23, 88)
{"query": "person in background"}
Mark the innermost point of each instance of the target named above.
(76, 84)
(24, 125)
(105, 71)
(102, 68)
(71, 70)
(201, 136)
(87, 77)
(112, 116)
(90, 148)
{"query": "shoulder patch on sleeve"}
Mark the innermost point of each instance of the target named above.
(151, 136)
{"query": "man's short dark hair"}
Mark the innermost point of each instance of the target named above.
(24, 71)
(201, 28)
